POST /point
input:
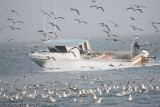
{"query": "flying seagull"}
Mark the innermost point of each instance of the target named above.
(102, 24)
(97, 7)
(55, 17)
(134, 28)
(14, 11)
(131, 8)
(9, 39)
(45, 13)
(72, 9)
(13, 28)
(115, 40)
(116, 25)
(81, 21)
(55, 25)
(94, 1)
(137, 6)
(34, 45)
(109, 34)
(140, 10)
(14, 21)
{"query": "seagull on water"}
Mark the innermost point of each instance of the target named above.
(78, 101)
(52, 100)
(130, 97)
(97, 101)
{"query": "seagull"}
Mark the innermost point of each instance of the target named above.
(78, 101)
(9, 39)
(140, 10)
(81, 21)
(45, 33)
(109, 34)
(131, 8)
(51, 57)
(72, 9)
(93, 1)
(153, 22)
(157, 30)
(52, 100)
(57, 17)
(14, 21)
(41, 31)
(57, 36)
(96, 102)
(130, 98)
(116, 67)
(34, 45)
(132, 18)
(45, 13)
(102, 24)
(97, 7)
(134, 9)
(152, 57)
(116, 40)
(139, 6)
(13, 28)
(14, 11)
(154, 26)
(55, 25)
(116, 25)
(94, 97)
(134, 28)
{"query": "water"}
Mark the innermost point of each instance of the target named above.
(17, 69)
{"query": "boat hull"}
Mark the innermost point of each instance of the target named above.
(40, 62)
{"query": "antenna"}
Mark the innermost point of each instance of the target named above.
(44, 18)
(55, 22)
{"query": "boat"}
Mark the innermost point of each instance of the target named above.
(77, 54)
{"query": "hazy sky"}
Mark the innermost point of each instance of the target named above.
(115, 10)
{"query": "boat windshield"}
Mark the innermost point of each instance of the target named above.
(60, 49)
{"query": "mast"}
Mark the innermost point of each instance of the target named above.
(55, 22)
(44, 18)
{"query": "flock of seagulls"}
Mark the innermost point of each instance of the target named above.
(95, 92)
(107, 30)
(14, 23)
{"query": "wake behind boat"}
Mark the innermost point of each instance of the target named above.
(78, 54)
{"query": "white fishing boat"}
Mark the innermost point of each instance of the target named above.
(78, 54)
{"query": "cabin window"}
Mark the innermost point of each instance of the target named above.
(85, 46)
(60, 49)
(81, 49)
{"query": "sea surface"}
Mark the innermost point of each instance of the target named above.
(18, 73)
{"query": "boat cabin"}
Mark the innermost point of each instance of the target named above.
(65, 45)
